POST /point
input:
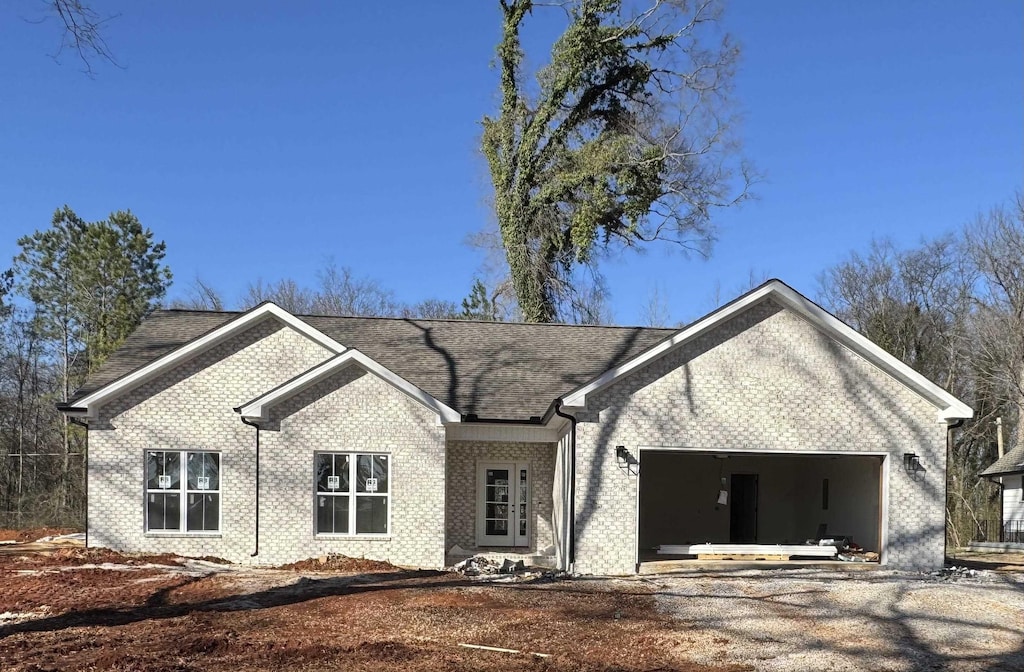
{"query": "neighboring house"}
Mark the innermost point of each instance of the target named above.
(1008, 472)
(266, 437)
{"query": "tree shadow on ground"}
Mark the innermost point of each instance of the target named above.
(305, 589)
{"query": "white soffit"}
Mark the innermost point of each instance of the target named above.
(950, 408)
(258, 409)
(89, 405)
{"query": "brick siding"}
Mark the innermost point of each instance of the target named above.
(764, 380)
(461, 501)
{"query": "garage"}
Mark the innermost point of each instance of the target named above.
(745, 501)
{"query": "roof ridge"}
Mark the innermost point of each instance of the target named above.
(424, 319)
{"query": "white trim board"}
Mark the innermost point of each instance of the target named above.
(506, 432)
(949, 407)
(772, 451)
(92, 402)
(259, 408)
(748, 549)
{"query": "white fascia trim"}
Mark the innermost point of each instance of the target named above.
(93, 401)
(258, 410)
(950, 407)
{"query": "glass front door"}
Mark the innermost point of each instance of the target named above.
(503, 503)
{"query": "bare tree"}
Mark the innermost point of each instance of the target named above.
(199, 295)
(82, 32)
(285, 292)
(655, 312)
(995, 243)
(342, 293)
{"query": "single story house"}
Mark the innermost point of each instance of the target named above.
(266, 437)
(1008, 472)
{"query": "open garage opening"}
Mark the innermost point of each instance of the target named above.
(741, 503)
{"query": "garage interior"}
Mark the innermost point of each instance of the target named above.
(689, 497)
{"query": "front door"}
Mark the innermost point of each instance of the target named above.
(503, 503)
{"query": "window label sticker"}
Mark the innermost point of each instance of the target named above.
(163, 482)
(371, 485)
(203, 483)
(333, 482)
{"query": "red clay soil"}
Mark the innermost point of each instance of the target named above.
(35, 533)
(71, 557)
(159, 621)
(340, 563)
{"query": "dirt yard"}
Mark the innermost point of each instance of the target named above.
(96, 610)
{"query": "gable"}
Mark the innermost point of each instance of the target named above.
(764, 379)
(778, 294)
(259, 409)
(349, 403)
(91, 397)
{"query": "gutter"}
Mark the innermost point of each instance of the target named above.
(572, 481)
(945, 484)
(256, 541)
(81, 423)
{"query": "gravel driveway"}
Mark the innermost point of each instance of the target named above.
(826, 620)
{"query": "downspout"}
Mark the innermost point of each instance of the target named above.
(82, 423)
(945, 481)
(257, 516)
(572, 481)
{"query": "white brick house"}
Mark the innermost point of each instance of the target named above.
(265, 437)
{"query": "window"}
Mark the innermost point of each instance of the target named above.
(166, 491)
(352, 493)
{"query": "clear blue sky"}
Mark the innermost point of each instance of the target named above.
(260, 139)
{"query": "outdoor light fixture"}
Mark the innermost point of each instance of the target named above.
(621, 455)
(912, 463)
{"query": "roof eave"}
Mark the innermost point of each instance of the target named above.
(89, 404)
(258, 409)
(949, 407)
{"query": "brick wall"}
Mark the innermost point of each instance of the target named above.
(461, 501)
(353, 411)
(190, 407)
(764, 380)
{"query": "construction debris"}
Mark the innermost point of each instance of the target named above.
(490, 569)
(954, 572)
(477, 565)
(500, 650)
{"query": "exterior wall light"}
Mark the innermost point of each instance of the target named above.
(621, 456)
(912, 463)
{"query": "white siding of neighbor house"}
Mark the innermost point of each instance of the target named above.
(1013, 498)
(764, 380)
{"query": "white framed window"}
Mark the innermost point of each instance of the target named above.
(176, 504)
(352, 494)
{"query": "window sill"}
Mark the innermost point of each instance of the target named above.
(183, 535)
(352, 537)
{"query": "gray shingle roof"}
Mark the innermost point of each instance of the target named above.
(1011, 462)
(491, 369)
